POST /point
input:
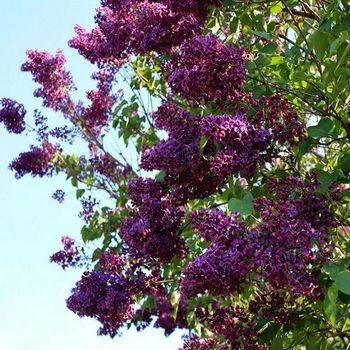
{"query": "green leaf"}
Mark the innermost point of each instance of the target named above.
(322, 129)
(277, 342)
(320, 42)
(160, 176)
(335, 45)
(277, 8)
(174, 299)
(80, 193)
(275, 60)
(305, 146)
(96, 254)
(263, 35)
(74, 182)
(342, 282)
(269, 48)
(150, 303)
(244, 206)
(268, 333)
(344, 162)
(326, 179)
(202, 143)
(343, 57)
(330, 304)
(333, 270)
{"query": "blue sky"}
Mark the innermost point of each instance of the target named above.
(33, 292)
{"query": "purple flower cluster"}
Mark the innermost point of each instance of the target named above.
(277, 115)
(235, 146)
(70, 255)
(37, 161)
(165, 320)
(166, 317)
(12, 115)
(292, 237)
(151, 231)
(193, 342)
(112, 262)
(43, 131)
(179, 156)
(126, 27)
(225, 265)
(59, 196)
(98, 114)
(88, 208)
(64, 133)
(241, 146)
(105, 297)
(206, 69)
(273, 306)
(56, 82)
(107, 166)
(235, 326)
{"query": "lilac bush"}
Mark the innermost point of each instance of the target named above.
(213, 203)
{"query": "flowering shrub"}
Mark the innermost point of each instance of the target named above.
(232, 221)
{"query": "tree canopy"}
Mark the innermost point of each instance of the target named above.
(212, 164)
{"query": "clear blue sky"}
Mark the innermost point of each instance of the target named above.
(32, 291)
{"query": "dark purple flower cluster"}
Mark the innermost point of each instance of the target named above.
(37, 161)
(98, 114)
(43, 131)
(277, 115)
(126, 27)
(88, 208)
(165, 315)
(206, 69)
(64, 133)
(59, 196)
(193, 342)
(273, 306)
(151, 232)
(225, 265)
(235, 326)
(41, 126)
(12, 115)
(241, 146)
(300, 199)
(235, 146)
(49, 71)
(179, 156)
(165, 319)
(112, 262)
(105, 297)
(70, 255)
(287, 249)
(216, 225)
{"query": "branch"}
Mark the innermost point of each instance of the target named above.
(304, 14)
(318, 65)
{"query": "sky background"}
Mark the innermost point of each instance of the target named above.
(33, 315)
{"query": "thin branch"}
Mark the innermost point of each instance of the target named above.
(318, 65)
